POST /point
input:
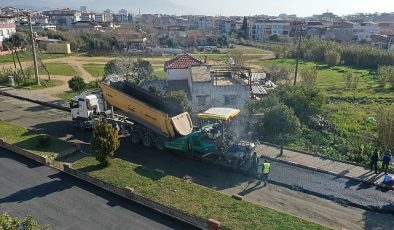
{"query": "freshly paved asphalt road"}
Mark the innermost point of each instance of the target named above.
(56, 123)
(57, 199)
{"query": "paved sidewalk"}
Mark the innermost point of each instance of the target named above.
(31, 95)
(322, 164)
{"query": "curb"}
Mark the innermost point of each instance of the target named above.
(329, 172)
(36, 101)
(127, 192)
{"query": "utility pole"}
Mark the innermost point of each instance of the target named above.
(33, 46)
(299, 33)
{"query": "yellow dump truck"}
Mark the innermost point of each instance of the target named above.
(150, 119)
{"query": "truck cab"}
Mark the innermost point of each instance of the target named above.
(84, 107)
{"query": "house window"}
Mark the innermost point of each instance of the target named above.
(230, 100)
(201, 100)
(1, 33)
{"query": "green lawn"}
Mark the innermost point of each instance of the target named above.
(31, 140)
(96, 70)
(68, 95)
(332, 81)
(191, 198)
(28, 56)
(58, 69)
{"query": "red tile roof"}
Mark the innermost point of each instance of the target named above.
(182, 61)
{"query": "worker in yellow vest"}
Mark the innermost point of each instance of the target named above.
(265, 172)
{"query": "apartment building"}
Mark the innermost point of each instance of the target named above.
(263, 29)
(63, 17)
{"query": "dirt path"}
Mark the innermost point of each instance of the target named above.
(53, 91)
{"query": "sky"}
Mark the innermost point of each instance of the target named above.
(299, 7)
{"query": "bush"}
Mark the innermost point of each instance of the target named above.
(332, 58)
(8, 222)
(105, 141)
(77, 84)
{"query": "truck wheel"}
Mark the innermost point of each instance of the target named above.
(135, 138)
(80, 124)
(160, 144)
(147, 141)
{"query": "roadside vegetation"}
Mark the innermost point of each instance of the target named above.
(8, 222)
(40, 144)
(356, 87)
(168, 190)
(191, 198)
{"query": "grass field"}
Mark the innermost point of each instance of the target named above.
(331, 79)
(31, 140)
(28, 56)
(58, 69)
(191, 198)
(95, 69)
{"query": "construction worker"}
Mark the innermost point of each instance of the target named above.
(254, 166)
(265, 172)
(374, 161)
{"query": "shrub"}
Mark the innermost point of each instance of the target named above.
(77, 84)
(105, 141)
(332, 58)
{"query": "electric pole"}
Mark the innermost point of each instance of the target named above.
(299, 33)
(33, 46)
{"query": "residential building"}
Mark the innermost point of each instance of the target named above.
(63, 17)
(265, 28)
(88, 17)
(104, 17)
(7, 28)
(363, 31)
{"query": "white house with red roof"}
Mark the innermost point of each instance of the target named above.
(7, 27)
(179, 74)
(178, 68)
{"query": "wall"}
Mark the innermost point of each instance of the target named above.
(216, 95)
(59, 48)
(178, 74)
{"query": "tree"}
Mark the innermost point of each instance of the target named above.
(273, 38)
(277, 50)
(244, 29)
(239, 57)
(77, 84)
(277, 73)
(309, 76)
(280, 125)
(18, 40)
(212, 41)
(141, 70)
(223, 40)
(180, 98)
(332, 58)
(305, 101)
(8, 222)
(119, 66)
(105, 141)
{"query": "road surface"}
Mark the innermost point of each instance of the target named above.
(64, 202)
(57, 123)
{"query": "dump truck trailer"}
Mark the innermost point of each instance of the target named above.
(149, 119)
